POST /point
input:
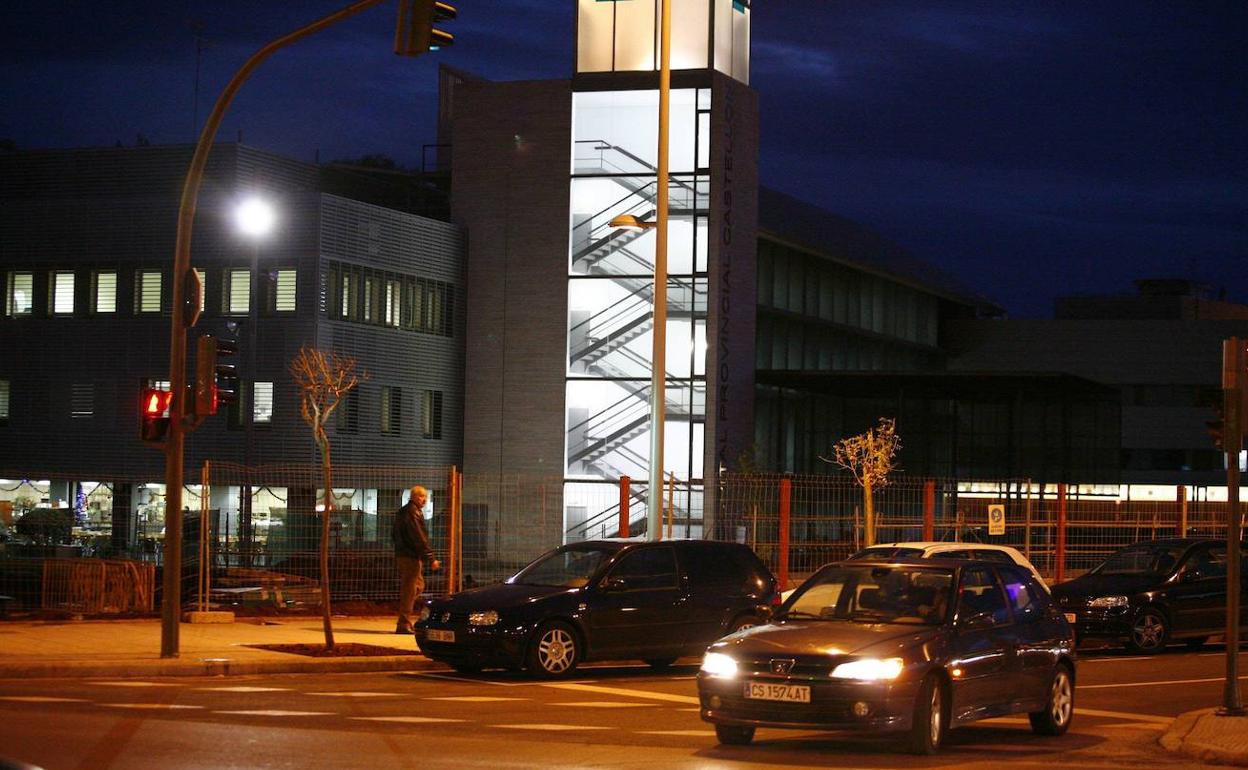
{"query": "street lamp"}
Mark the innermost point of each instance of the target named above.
(255, 217)
(658, 354)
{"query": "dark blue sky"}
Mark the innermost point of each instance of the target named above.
(1032, 149)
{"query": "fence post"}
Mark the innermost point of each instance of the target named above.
(786, 495)
(452, 553)
(1027, 525)
(625, 482)
(1060, 556)
(1182, 497)
(929, 510)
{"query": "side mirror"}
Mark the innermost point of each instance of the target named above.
(1190, 576)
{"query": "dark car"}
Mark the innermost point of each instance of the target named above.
(915, 646)
(1152, 593)
(605, 600)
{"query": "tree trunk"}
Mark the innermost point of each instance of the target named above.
(326, 515)
(868, 507)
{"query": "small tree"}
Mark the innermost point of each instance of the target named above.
(323, 380)
(870, 457)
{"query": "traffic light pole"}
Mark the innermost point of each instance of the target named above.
(184, 316)
(1232, 437)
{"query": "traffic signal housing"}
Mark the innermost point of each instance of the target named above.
(154, 407)
(216, 383)
(415, 32)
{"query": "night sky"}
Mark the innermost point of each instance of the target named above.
(1032, 149)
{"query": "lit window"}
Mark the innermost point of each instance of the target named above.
(82, 400)
(106, 292)
(368, 300)
(20, 300)
(62, 293)
(391, 409)
(391, 308)
(262, 402)
(4, 401)
(284, 291)
(431, 414)
(237, 291)
(203, 286)
(148, 286)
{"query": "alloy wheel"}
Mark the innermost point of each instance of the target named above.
(1061, 699)
(556, 650)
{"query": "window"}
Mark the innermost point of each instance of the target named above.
(105, 292)
(1026, 598)
(237, 299)
(391, 410)
(368, 300)
(262, 402)
(283, 291)
(4, 402)
(980, 595)
(349, 412)
(390, 307)
(431, 414)
(647, 569)
(203, 286)
(82, 400)
(62, 293)
(147, 291)
(20, 295)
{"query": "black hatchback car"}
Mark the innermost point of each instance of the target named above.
(603, 600)
(1152, 593)
(915, 646)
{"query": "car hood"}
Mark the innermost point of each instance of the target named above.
(499, 597)
(1092, 586)
(819, 637)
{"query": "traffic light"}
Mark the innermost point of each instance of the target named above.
(415, 33)
(154, 414)
(1216, 429)
(215, 383)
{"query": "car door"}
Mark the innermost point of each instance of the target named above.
(717, 588)
(638, 608)
(1198, 600)
(984, 666)
(1036, 628)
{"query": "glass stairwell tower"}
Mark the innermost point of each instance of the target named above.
(610, 273)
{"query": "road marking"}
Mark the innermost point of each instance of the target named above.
(1136, 726)
(358, 694)
(603, 704)
(406, 720)
(1008, 721)
(278, 713)
(550, 727)
(151, 706)
(240, 688)
(133, 684)
(473, 698)
(693, 733)
(40, 699)
(625, 692)
(1126, 716)
(1153, 684)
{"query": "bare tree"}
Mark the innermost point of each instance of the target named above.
(870, 457)
(323, 381)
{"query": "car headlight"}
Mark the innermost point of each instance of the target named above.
(486, 618)
(424, 614)
(869, 669)
(719, 664)
(1108, 602)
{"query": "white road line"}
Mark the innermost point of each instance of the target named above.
(151, 706)
(550, 727)
(1153, 684)
(278, 713)
(473, 698)
(40, 699)
(693, 733)
(241, 688)
(358, 694)
(625, 692)
(603, 704)
(1125, 715)
(133, 684)
(406, 720)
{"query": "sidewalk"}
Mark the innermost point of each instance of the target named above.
(1209, 737)
(131, 648)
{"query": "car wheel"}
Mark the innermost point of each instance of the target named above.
(928, 730)
(1196, 642)
(743, 622)
(554, 651)
(1149, 631)
(1059, 708)
(735, 735)
(658, 664)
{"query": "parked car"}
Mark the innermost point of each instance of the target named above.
(932, 549)
(1152, 593)
(603, 600)
(915, 646)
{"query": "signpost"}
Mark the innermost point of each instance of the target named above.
(1232, 439)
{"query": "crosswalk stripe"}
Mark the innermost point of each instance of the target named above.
(626, 692)
(473, 698)
(151, 706)
(244, 689)
(603, 704)
(407, 720)
(133, 684)
(1125, 715)
(278, 713)
(692, 733)
(358, 694)
(40, 699)
(550, 727)
(1153, 684)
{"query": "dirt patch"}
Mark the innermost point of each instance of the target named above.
(344, 650)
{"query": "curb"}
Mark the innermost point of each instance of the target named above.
(213, 667)
(1178, 738)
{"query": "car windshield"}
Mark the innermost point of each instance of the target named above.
(1141, 559)
(873, 594)
(570, 568)
(885, 553)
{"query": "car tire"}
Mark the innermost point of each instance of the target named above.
(555, 650)
(743, 622)
(930, 725)
(658, 664)
(1059, 706)
(1195, 642)
(1150, 632)
(735, 735)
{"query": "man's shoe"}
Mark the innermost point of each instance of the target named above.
(404, 630)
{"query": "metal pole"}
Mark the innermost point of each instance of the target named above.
(1232, 439)
(658, 355)
(171, 598)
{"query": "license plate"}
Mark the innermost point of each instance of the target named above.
(795, 693)
(436, 635)
(1070, 617)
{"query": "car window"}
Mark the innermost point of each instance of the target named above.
(885, 553)
(1141, 559)
(1207, 563)
(989, 554)
(873, 594)
(570, 568)
(962, 553)
(979, 594)
(1026, 598)
(710, 567)
(647, 568)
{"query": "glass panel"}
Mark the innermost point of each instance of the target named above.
(616, 132)
(607, 435)
(391, 309)
(21, 294)
(149, 291)
(690, 27)
(82, 400)
(106, 292)
(4, 399)
(284, 291)
(203, 286)
(63, 293)
(594, 26)
(262, 402)
(704, 140)
(239, 292)
(741, 42)
(635, 36)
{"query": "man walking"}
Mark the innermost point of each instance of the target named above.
(411, 551)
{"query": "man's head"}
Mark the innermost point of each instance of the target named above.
(419, 496)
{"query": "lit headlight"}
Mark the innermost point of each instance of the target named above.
(869, 669)
(424, 613)
(486, 618)
(719, 664)
(1108, 602)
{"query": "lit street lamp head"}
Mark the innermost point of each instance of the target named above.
(255, 217)
(630, 222)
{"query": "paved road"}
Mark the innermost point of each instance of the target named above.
(610, 716)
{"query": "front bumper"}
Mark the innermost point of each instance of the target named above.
(1089, 622)
(483, 646)
(889, 705)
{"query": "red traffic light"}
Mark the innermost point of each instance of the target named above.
(156, 402)
(154, 414)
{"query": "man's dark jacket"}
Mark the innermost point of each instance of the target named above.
(409, 534)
